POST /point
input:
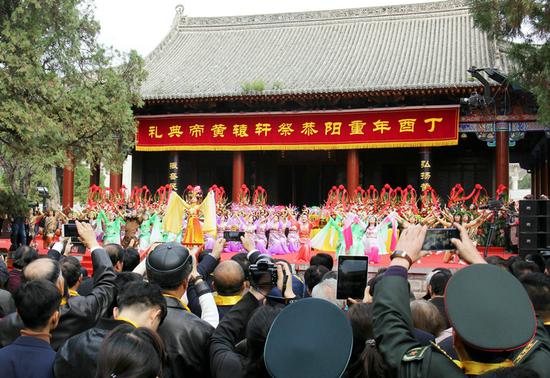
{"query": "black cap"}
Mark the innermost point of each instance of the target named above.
(309, 338)
(489, 309)
(168, 264)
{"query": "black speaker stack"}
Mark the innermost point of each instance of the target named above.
(534, 226)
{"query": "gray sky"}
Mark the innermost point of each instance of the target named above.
(142, 24)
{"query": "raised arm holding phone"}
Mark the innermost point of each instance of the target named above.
(482, 337)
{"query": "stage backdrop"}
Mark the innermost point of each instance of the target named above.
(319, 130)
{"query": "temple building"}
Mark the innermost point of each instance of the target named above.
(299, 102)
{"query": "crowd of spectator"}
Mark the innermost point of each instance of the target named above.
(179, 313)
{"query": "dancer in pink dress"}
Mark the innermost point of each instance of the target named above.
(372, 243)
(277, 242)
(260, 238)
(293, 237)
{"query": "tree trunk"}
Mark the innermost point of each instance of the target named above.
(55, 197)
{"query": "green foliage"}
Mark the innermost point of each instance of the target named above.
(523, 27)
(253, 86)
(525, 182)
(60, 91)
(277, 85)
(13, 204)
(81, 182)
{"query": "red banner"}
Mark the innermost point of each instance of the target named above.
(321, 130)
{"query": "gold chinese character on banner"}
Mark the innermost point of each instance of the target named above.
(407, 125)
(218, 130)
(432, 122)
(196, 130)
(240, 131)
(356, 127)
(285, 129)
(173, 176)
(263, 128)
(333, 128)
(381, 126)
(308, 128)
(425, 175)
(424, 186)
(175, 131)
(173, 165)
(425, 164)
(154, 132)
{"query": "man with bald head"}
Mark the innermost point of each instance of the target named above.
(229, 285)
(77, 313)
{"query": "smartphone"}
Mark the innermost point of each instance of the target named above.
(352, 276)
(439, 239)
(69, 231)
(232, 235)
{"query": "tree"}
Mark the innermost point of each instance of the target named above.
(61, 93)
(523, 27)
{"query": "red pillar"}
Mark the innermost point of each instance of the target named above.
(115, 181)
(238, 174)
(68, 183)
(502, 158)
(352, 170)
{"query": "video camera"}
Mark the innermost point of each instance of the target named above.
(264, 272)
(492, 205)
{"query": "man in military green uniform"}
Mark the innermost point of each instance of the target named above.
(494, 325)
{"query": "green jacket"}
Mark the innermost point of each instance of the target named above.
(407, 358)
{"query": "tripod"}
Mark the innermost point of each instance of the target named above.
(491, 234)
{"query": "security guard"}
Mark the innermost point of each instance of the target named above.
(493, 320)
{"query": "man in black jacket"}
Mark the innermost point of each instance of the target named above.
(185, 335)
(140, 304)
(78, 313)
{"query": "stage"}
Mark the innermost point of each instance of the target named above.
(422, 267)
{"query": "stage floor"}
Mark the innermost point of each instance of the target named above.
(425, 265)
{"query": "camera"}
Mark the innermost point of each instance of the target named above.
(492, 205)
(263, 272)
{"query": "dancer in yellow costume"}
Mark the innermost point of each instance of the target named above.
(194, 231)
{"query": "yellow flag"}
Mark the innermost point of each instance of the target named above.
(173, 219)
(208, 209)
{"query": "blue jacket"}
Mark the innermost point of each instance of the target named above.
(27, 357)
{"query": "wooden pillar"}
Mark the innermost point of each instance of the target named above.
(68, 182)
(238, 174)
(425, 167)
(94, 177)
(174, 177)
(502, 155)
(352, 170)
(115, 181)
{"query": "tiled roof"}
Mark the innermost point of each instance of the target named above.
(417, 46)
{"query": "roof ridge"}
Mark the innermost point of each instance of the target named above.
(182, 21)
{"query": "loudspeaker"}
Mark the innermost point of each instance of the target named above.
(534, 226)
